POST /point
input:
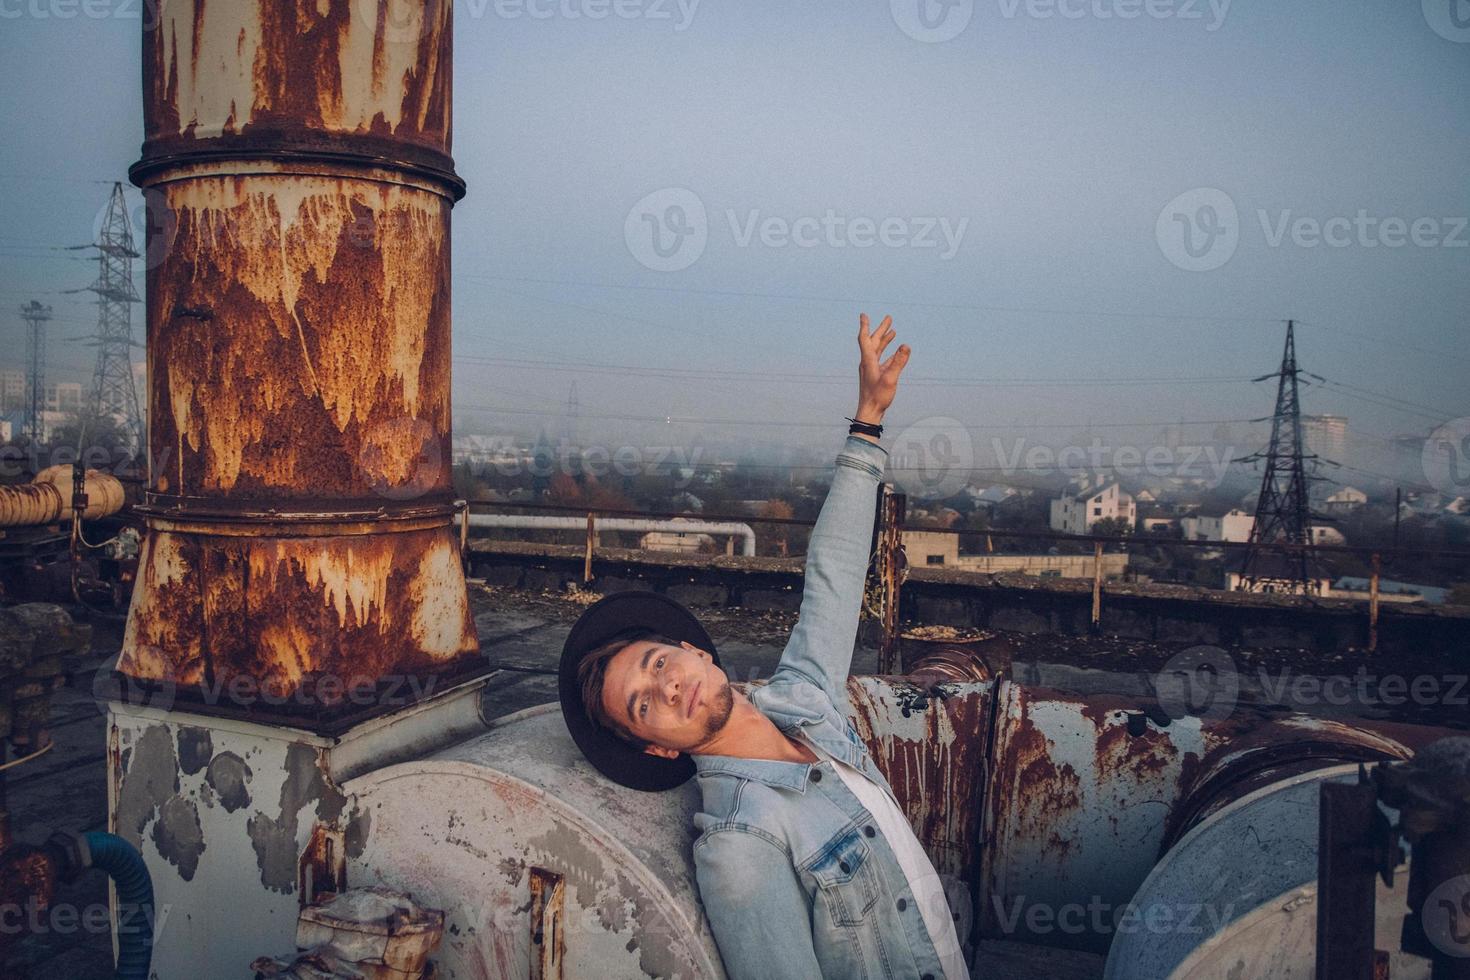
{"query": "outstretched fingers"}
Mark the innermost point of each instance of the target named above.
(899, 358)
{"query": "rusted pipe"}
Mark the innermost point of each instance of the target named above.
(890, 561)
(297, 175)
(48, 497)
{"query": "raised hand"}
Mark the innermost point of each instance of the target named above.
(877, 379)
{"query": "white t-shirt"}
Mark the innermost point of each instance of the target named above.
(924, 881)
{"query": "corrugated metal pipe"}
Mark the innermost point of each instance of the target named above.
(742, 531)
(47, 498)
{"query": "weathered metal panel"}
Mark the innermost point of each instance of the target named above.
(1076, 815)
(1237, 896)
(1088, 792)
(930, 741)
(467, 830)
(233, 817)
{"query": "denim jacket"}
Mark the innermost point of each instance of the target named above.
(795, 878)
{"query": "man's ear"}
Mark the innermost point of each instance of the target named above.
(661, 751)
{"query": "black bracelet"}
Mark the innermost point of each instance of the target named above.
(864, 428)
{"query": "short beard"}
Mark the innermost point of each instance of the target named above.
(719, 714)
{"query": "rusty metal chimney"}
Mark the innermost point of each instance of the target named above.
(298, 178)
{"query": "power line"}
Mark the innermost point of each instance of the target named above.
(785, 378)
(877, 301)
(690, 420)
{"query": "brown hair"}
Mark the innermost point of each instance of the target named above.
(592, 671)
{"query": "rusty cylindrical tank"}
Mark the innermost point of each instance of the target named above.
(298, 179)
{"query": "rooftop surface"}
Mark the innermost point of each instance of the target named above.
(521, 633)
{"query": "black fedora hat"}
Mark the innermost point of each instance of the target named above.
(603, 620)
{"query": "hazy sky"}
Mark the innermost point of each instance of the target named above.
(1046, 138)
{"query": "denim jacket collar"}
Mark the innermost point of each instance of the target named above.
(790, 775)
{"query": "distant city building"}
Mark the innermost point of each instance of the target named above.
(1275, 574)
(1327, 535)
(1234, 525)
(1326, 435)
(934, 549)
(1345, 500)
(12, 391)
(997, 494)
(1082, 506)
(63, 396)
(1349, 587)
(687, 541)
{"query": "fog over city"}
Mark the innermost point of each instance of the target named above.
(1089, 220)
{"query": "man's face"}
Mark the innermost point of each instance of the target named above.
(671, 696)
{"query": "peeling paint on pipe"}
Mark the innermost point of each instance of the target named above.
(298, 177)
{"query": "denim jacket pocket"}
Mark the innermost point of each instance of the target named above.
(847, 879)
